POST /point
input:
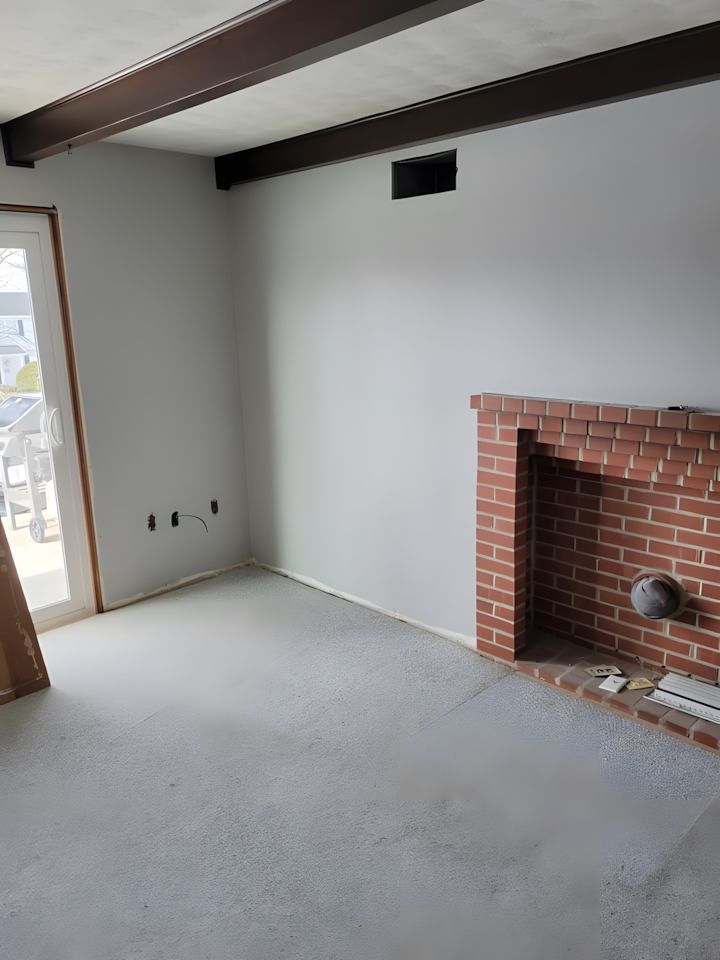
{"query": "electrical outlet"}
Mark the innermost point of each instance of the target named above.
(175, 518)
(214, 506)
(152, 525)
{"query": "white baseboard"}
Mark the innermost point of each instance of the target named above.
(461, 638)
(179, 584)
(451, 635)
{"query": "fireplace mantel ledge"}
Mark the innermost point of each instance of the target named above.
(679, 418)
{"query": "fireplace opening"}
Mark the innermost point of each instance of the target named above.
(576, 503)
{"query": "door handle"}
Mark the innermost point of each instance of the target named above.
(53, 422)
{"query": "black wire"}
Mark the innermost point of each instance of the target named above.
(192, 516)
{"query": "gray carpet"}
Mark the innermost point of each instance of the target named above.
(313, 781)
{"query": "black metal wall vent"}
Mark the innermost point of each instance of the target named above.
(423, 175)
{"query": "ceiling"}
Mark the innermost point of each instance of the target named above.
(85, 41)
(50, 48)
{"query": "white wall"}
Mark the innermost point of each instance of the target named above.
(147, 243)
(579, 257)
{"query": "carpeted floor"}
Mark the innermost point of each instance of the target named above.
(248, 769)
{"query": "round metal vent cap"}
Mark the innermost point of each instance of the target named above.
(656, 595)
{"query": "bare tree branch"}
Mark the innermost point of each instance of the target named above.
(12, 267)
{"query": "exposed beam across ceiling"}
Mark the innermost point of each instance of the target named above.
(664, 63)
(268, 41)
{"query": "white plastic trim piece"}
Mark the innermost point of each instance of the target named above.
(697, 690)
(688, 695)
(684, 705)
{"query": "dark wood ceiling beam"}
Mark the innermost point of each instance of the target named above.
(664, 63)
(268, 41)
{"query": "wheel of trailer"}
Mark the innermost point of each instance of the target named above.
(37, 531)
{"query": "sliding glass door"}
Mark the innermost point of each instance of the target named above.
(41, 499)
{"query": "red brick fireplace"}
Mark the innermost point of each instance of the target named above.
(574, 500)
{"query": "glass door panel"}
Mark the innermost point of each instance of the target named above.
(40, 490)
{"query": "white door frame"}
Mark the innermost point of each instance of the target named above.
(38, 231)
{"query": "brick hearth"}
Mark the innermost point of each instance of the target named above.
(575, 499)
(562, 665)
